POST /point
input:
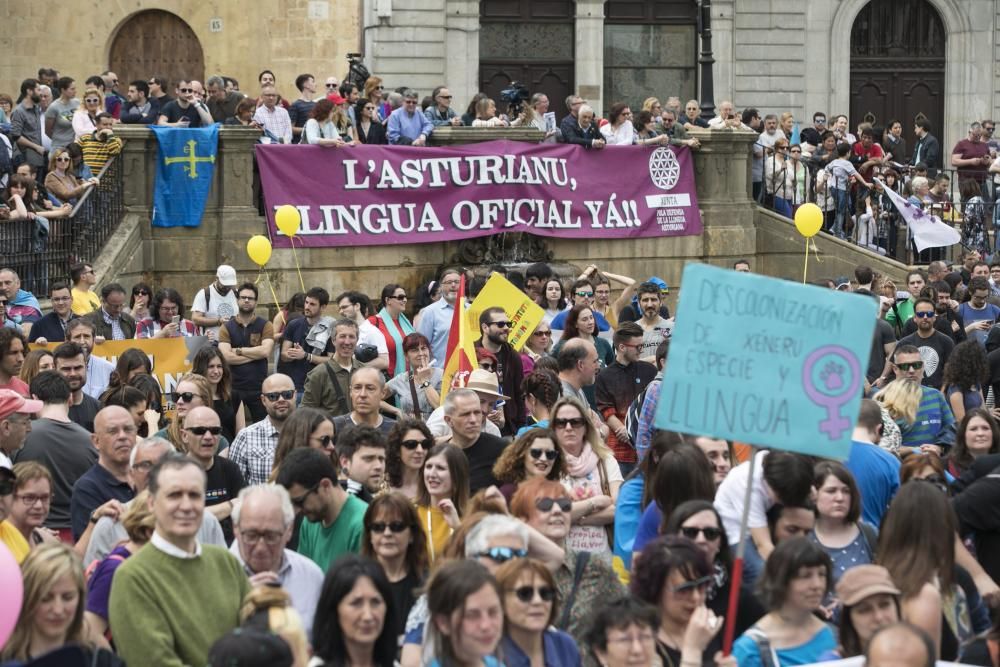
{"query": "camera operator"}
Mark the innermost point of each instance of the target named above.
(440, 112)
(100, 145)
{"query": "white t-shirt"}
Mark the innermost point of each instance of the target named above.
(732, 492)
(218, 305)
(369, 334)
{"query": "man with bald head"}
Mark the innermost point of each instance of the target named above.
(900, 645)
(113, 437)
(263, 520)
(224, 481)
(253, 449)
(578, 366)
(366, 389)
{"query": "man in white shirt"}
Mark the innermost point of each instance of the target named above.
(356, 306)
(216, 303)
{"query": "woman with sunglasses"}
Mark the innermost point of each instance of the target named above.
(592, 475)
(392, 322)
(675, 575)
(584, 582)
(406, 451)
(61, 182)
(421, 380)
(192, 391)
(138, 304)
(442, 496)
(84, 118)
(699, 521)
(394, 537)
(210, 363)
(369, 129)
(796, 578)
(530, 609)
(538, 343)
(374, 92)
(305, 427)
(532, 454)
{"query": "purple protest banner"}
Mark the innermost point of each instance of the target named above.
(381, 195)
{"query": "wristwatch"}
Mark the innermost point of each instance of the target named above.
(424, 385)
(93, 517)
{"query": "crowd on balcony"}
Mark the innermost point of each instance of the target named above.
(314, 500)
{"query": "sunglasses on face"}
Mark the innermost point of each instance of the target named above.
(413, 444)
(399, 297)
(549, 454)
(911, 366)
(585, 294)
(527, 593)
(394, 526)
(689, 587)
(202, 430)
(501, 555)
(325, 440)
(186, 396)
(503, 324)
(546, 504)
(140, 292)
(91, 100)
(925, 313)
(575, 422)
(62, 158)
(188, 90)
(272, 396)
(542, 333)
(711, 534)
(331, 85)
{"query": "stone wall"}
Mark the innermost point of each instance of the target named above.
(186, 259)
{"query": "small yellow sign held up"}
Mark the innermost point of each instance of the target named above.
(524, 314)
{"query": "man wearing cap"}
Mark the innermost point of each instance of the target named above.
(463, 412)
(15, 423)
(114, 437)
(60, 445)
(655, 328)
(495, 328)
(215, 304)
(407, 126)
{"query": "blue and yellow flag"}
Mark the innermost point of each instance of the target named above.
(184, 168)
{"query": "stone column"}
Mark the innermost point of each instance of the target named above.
(461, 71)
(590, 53)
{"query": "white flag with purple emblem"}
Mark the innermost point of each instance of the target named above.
(928, 230)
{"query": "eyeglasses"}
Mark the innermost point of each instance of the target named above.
(925, 313)
(409, 102)
(549, 454)
(331, 85)
(287, 394)
(586, 294)
(541, 333)
(300, 500)
(398, 297)
(269, 537)
(642, 638)
(186, 396)
(450, 282)
(30, 500)
(62, 158)
(248, 298)
(325, 440)
(92, 100)
(445, 97)
(527, 593)
(413, 444)
(689, 587)
(819, 121)
(379, 88)
(911, 366)
(575, 422)
(61, 299)
(202, 430)
(186, 90)
(394, 526)
(502, 554)
(796, 150)
(691, 532)
(487, 367)
(141, 292)
(143, 466)
(503, 324)
(546, 504)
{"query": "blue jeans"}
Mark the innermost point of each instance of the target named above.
(842, 200)
(783, 207)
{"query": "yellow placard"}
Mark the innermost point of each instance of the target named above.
(524, 314)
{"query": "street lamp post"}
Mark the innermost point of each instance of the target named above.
(705, 59)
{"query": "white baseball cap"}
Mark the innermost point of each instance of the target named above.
(226, 275)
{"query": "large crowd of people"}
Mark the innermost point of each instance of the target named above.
(316, 496)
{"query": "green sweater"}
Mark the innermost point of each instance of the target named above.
(167, 611)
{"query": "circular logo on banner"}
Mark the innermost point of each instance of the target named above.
(664, 170)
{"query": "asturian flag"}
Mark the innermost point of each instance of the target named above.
(184, 168)
(927, 230)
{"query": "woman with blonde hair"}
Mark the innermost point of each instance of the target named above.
(85, 116)
(192, 391)
(52, 611)
(373, 92)
(138, 522)
(61, 182)
(901, 398)
(35, 362)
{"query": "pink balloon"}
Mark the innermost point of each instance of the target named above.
(13, 591)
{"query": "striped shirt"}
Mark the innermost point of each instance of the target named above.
(934, 425)
(96, 153)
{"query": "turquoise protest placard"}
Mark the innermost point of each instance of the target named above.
(766, 361)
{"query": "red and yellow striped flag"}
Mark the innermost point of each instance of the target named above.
(460, 351)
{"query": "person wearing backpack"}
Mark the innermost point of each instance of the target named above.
(214, 305)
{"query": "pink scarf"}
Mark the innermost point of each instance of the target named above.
(582, 465)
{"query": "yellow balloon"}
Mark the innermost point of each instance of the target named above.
(287, 219)
(809, 220)
(259, 249)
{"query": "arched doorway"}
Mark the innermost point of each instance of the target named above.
(156, 43)
(898, 65)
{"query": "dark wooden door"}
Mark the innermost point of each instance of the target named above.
(897, 65)
(156, 43)
(531, 42)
